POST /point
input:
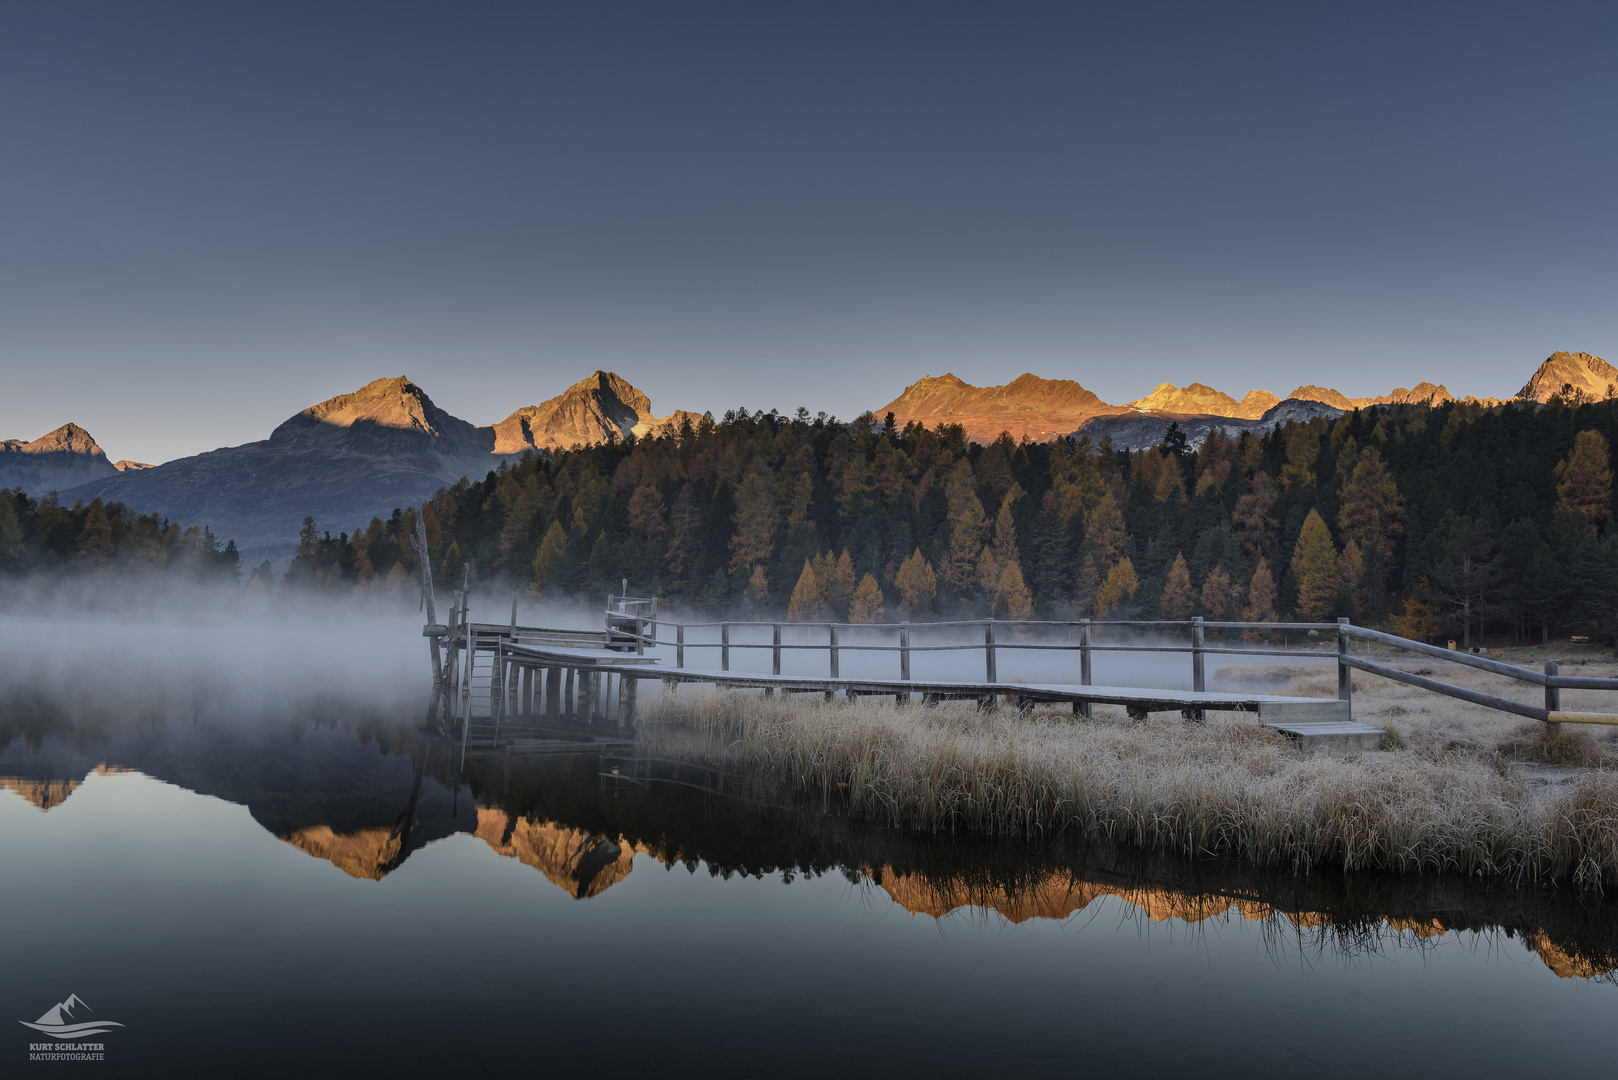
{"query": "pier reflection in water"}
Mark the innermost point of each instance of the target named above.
(324, 890)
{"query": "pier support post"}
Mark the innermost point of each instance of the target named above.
(1199, 671)
(568, 700)
(626, 700)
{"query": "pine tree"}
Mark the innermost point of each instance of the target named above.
(95, 536)
(917, 585)
(993, 560)
(1315, 567)
(1352, 568)
(1584, 480)
(1252, 519)
(1178, 599)
(840, 592)
(868, 605)
(308, 537)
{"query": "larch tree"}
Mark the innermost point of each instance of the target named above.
(1012, 593)
(1104, 527)
(548, 560)
(1372, 515)
(1260, 605)
(1118, 588)
(1178, 599)
(967, 527)
(1085, 587)
(1584, 480)
(1352, 568)
(807, 598)
(754, 539)
(917, 585)
(995, 556)
(868, 605)
(1315, 568)
(1219, 594)
(1252, 520)
(758, 590)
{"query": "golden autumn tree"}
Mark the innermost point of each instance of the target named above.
(1104, 528)
(1118, 588)
(1012, 593)
(995, 556)
(1584, 480)
(808, 597)
(967, 527)
(1219, 593)
(758, 590)
(548, 560)
(917, 585)
(868, 606)
(1260, 605)
(1086, 585)
(1315, 568)
(754, 540)
(1178, 599)
(1372, 516)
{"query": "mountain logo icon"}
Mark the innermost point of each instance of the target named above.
(68, 1020)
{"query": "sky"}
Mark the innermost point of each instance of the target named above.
(215, 215)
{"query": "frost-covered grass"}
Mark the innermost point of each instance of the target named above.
(1446, 797)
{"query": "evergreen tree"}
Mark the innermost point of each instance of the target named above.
(1584, 480)
(1261, 597)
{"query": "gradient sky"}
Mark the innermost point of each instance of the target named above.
(214, 215)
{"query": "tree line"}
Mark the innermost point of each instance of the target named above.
(1452, 520)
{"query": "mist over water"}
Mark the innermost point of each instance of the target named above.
(229, 829)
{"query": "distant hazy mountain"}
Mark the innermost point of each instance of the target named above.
(359, 455)
(1139, 430)
(1585, 374)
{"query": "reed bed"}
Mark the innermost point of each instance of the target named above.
(1446, 799)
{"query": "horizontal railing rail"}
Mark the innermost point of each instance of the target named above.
(1012, 635)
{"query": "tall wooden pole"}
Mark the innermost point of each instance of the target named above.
(427, 589)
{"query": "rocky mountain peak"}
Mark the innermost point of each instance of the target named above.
(597, 409)
(1588, 375)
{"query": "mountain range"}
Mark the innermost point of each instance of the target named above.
(359, 455)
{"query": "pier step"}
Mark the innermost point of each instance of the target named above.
(1346, 735)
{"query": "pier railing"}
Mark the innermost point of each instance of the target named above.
(1089, 636)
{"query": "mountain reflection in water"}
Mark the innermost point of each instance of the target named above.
(364, 790)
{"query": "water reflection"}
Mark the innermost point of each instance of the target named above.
(366, 789)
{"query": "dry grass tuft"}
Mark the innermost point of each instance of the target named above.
(1556, 744)
(1442, 801)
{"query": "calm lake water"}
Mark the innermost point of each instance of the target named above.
(260, 864)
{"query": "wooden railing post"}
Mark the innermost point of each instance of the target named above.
(1345, 674)
(640, 638)
(775, 652)
(1084, 652)
(1199, 674)
(724, 646)
(679, 646)
(835, 667)
(1553, 694)
(904, 652)
(988, 650)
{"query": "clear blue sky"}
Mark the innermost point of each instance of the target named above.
(213, 215)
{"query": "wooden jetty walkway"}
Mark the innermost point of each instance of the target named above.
(529, 671)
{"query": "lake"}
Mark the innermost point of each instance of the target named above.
(244, 847)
